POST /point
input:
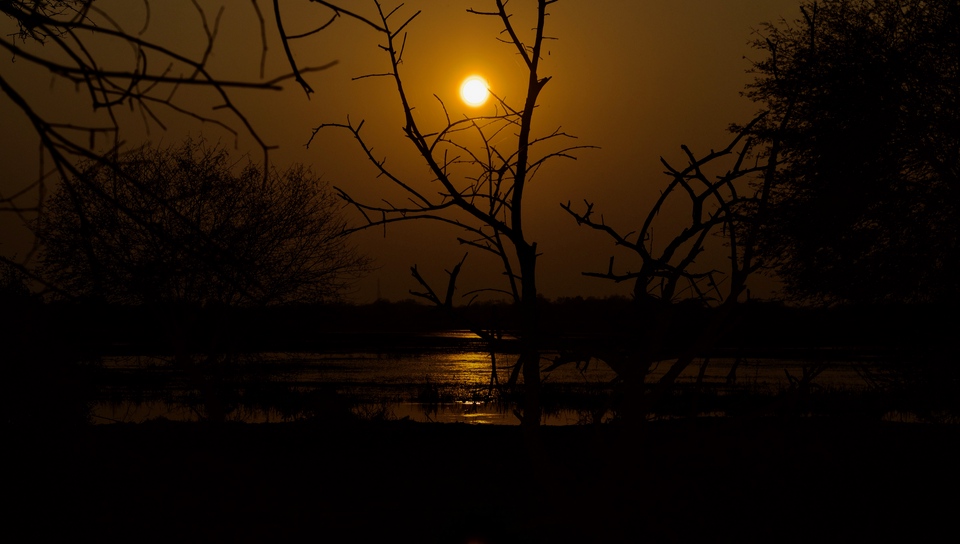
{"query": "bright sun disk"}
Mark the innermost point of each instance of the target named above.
(474, 91)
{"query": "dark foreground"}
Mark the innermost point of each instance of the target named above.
(682, 481)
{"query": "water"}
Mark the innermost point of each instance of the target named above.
(443, 385)
(448, 386)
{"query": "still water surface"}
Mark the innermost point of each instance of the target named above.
(442, 386)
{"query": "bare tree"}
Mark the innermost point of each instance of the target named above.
(725, 195)
(478, 191)
(67, 37)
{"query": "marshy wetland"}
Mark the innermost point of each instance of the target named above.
(368, 433)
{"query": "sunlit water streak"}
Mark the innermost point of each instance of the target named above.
(441, 386)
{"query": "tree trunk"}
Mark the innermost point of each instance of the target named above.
(530, 336)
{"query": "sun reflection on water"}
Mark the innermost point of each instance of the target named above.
(440, 385)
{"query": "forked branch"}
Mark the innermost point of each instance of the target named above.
(718, 205)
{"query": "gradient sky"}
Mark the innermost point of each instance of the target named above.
(637, 78)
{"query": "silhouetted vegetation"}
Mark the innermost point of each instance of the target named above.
(724, 194)
(68, 38)
(220, 282)
(184, 233)
(45, 363)
(185, 226)
(480, 190)
(158, 231)
(864, 112)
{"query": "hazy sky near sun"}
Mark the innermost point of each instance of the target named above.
(637, 78)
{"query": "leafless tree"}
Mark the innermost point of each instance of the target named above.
(725, 194)
(477, 190)
(67, 37)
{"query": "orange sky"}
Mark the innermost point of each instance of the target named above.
(635, 77)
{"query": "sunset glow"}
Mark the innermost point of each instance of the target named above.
(474, 91)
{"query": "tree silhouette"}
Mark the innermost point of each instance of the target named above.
(725, 195)
(864, 100)
(186, 226)
(477, 190)
(187, 234)
(118, 69)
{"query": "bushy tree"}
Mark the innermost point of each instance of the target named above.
(864, 100)
(186, 225)
(117, 65)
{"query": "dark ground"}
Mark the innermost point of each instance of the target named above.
(724, 480)
(831, 479)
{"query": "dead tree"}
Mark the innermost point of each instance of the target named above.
(728, 205)
(477, 190)
(154, 80)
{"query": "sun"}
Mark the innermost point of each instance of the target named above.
(474, 91)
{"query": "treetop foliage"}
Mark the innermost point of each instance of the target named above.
(186, 224)
(864, 100)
